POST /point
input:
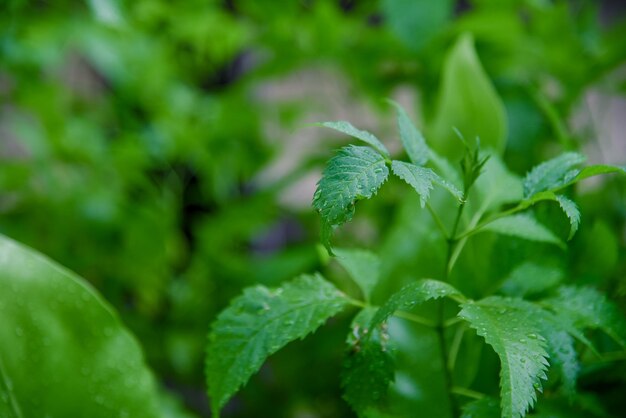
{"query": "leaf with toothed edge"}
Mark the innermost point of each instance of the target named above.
(572, 213)
(353, 174)
(412, 139)
(523, 226)
(422, 179)
(260, 322)
(553, 173)
(513, 335)
(349, 129)
(414, 294)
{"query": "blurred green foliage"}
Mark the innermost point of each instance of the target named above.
(133, 135)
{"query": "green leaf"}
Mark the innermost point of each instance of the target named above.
(523, 226)
(422, 179)
(363, 266)
(514, 337)
(64, 351)
(496, 186)
(552, 174)
(585, 307)
(557, 335)
(349, 129)
(368, 367)
(486, 407)
(572, 212)
(596, 170)
(468, 102)
(354, 173)
(414, 294)
(530, 278)
(260, 322)
(412, 139)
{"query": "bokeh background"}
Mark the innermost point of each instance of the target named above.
(161, 150)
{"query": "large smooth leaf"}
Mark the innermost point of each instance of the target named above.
(63, 351)
(260, 322)
(467, 102)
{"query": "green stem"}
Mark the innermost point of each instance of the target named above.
(400, 314)
(467, 392)
(438, 221)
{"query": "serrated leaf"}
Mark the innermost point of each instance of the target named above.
(468, 102)
(585, 307)
(572, 213)
(557, 334)
(513, 335)
(354, 173)
(422, 179)
(523, 226)
(486, 407)
(368, 368)
(411, 295)
(530, 278)
(349, 129)
(412, 139)
(260, 322)
(363, 266)
(552, 174)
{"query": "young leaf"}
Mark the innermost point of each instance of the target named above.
(467, 101)
(596, 170)
(414, 294)
(422, 179)
(530, 278)
(354, 173)
(64, 351)
(572, 212)
(349, 129)
(412, 139)
(552, 174)
(368, 368)
(363, 266)
(587, 308)
(513, 335)
(260, 322)
(523, 226)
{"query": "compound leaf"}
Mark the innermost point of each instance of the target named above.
(412, 139)
(354, 173)
(596, 170)
(514, 337)
(64, 351)
(585, 307)
(260, 322)
(523, 226)
(422, 179)
(552, 174)
(349, 129)
(363, 266)
(411, 295)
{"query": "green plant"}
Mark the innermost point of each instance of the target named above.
(533, 322)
